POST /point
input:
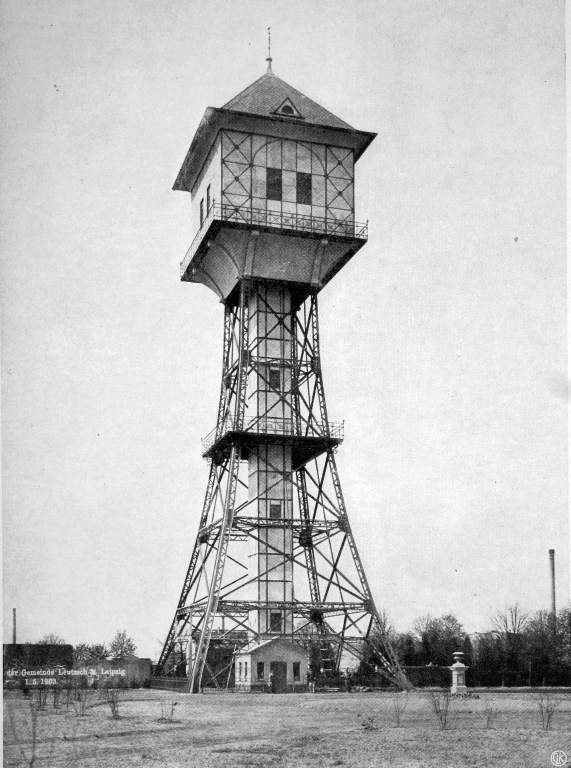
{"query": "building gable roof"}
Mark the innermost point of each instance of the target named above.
(273, 640)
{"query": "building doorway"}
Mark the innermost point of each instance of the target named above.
(279, 671)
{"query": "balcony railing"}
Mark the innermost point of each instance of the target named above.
(276, 426)
(292, 222)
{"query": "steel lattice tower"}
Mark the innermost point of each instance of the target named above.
(271, 180)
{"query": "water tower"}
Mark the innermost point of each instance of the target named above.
(271, 180)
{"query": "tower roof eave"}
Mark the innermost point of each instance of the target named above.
(216, 119)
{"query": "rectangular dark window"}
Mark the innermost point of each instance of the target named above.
(275, 510)
(208, 201)
(274, 379)
(201, 211)
(303, 191)
(296, 670)
(260, 670)
(275, 621)
(273, 183)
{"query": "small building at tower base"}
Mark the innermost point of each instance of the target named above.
(275, 665)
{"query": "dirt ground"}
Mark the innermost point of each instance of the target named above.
(355, 730)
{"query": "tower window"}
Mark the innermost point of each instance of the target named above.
(260, 670)
(202, 212)
(303, 191)
(275, 621)
(208, 200)
(296, 670)
(273, 183)
(274, 378)
(275, 510)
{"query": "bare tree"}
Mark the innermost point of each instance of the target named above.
(384, 622)
(51, 639)
(439, 637)
(122, 645)
(509, 627)
(510, 622)
(421, 626)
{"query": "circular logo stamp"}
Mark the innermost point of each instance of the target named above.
(558, 758)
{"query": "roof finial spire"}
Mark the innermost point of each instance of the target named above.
(269, 56)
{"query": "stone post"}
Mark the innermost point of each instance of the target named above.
(458, 674)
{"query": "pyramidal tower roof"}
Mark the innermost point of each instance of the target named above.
(267, 96)
(271, 107)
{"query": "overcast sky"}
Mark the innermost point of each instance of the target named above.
(443, 340)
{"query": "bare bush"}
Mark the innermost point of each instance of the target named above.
(399, 705)
(80, 704)
(69, 695)
(40, 697)
(56, 692)
(370, 721)
(112, 697)
(440, 703)
(546, 706)
(489, 713)
(167, 711)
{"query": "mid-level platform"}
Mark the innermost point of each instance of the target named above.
(307, 443)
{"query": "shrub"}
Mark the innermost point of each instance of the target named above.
(440, 703)
(56, 691)
(167, 711)
(112, 696)
(399, 705)
(489, 712)
(40, 697)
(80, 704)
(369, 722)
(546, 707)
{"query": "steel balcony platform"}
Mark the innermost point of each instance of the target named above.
(271, 221)
(305, 446)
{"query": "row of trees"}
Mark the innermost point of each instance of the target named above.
(518, 649)
(84, 653)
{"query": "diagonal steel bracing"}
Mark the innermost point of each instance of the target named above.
(273, 446)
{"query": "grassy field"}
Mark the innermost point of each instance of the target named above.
(355, 730)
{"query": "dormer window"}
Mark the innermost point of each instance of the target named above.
(288, 109)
